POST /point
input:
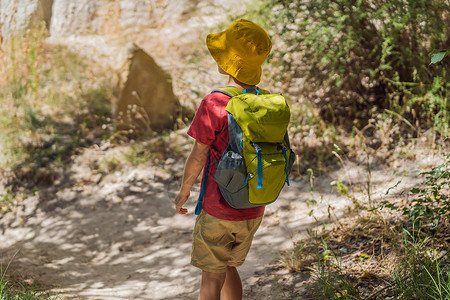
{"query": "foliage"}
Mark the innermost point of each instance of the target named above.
(423, 272)
(301, 255)
(438, 55)
(52, 101)
(24, 292)
(329, 278)
(374, 258)
(311, 138)
(420, 270)
(334, 283)
(355, 58)
(431, 203)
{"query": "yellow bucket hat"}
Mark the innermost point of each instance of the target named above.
(240, 50)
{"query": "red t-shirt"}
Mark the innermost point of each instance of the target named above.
(210, 127)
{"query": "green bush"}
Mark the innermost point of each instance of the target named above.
(354, 58)
(431, 203)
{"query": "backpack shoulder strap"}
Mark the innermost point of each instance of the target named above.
(229, 91)
(198, 207)
(234, 91)
(264, 92)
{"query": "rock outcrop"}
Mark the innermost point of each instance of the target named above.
(18, 15)
(138, 14)
(147, 100)
(81, 17)
(75, 17)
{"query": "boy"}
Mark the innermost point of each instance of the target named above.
(222, 235)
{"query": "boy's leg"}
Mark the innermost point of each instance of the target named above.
(232, 287)
(211, 285)
(221, 246)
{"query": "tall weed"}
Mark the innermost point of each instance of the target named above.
(52, 101)
(423, 271)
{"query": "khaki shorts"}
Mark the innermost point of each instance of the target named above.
(220, 243)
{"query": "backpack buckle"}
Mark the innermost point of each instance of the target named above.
(257, 148)
(251, 90)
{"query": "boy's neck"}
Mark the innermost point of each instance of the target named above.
(236, 83)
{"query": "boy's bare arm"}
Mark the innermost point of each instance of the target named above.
(194, 165)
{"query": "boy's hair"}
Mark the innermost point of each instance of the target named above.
(240, 50)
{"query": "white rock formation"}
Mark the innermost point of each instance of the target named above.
(18, 15)
(75, 17)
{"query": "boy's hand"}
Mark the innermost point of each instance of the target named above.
(180, 200)
(194, 165)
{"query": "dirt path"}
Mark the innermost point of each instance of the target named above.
(117, 237)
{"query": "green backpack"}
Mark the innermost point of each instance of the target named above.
(257, 161)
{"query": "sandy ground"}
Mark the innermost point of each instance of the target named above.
(116, 236)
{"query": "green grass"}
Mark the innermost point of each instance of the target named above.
(424, 271)
(17, 290)
(8, 292)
